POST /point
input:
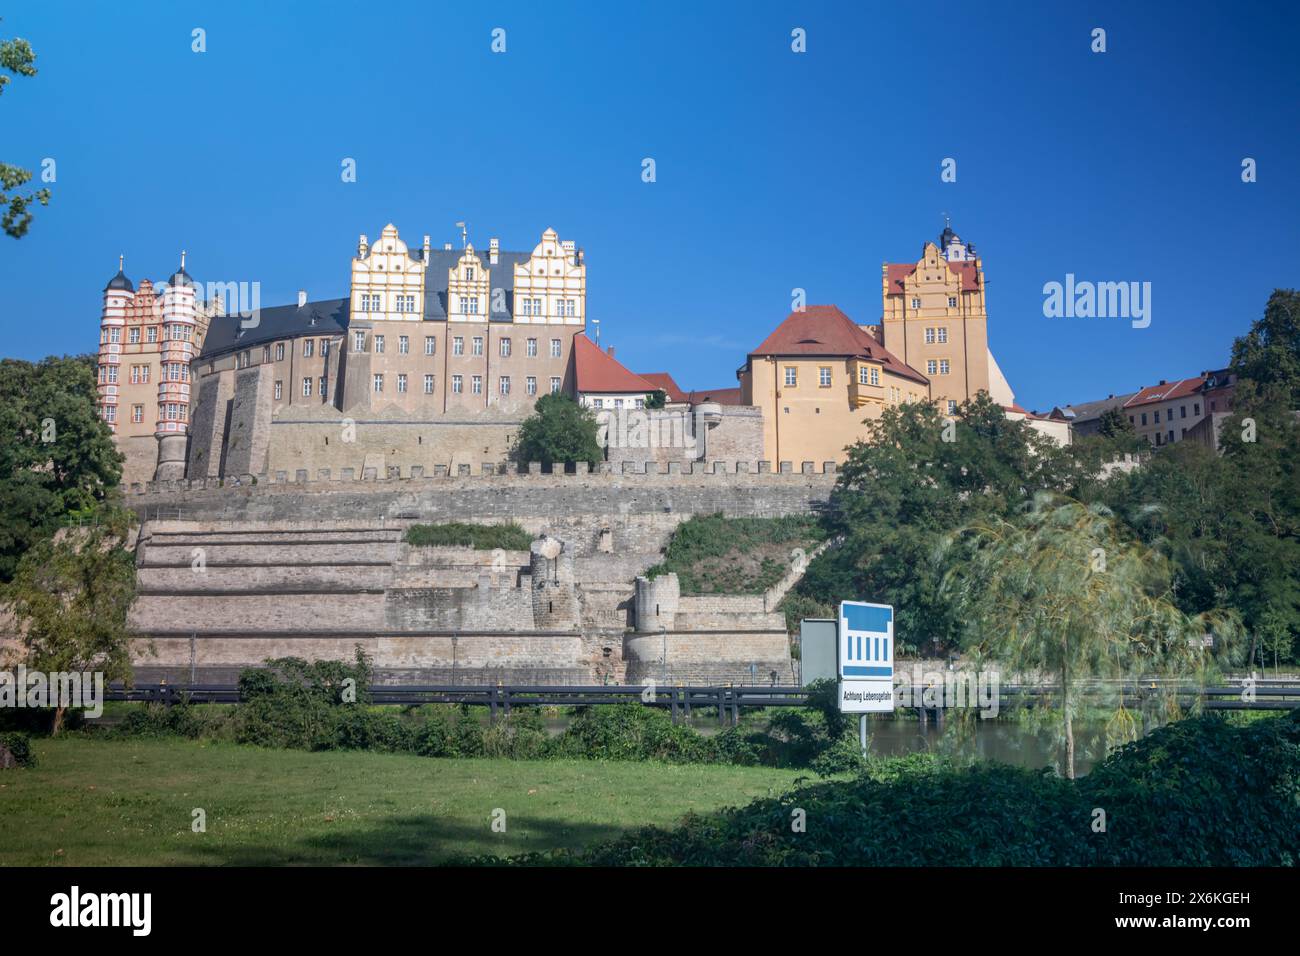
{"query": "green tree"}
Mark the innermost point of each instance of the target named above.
(1269, 354)
(57, 456)
(17, 57)
(559, 431)
(1062, 591)
(919, 477)
(70, 598)
(1230, 522)
(656, 399)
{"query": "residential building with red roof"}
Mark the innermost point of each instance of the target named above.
(1164, 413)
(601, 381)
(694, 425)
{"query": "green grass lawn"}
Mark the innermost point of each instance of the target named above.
(129, 802)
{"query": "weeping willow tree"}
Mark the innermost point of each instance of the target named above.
(1060, 592)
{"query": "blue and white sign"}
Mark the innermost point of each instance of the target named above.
(866, 658)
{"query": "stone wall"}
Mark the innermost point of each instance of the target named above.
(313, 568)
(336, 441)
(140, 453)
(680, 436)
(248, 438)
(208, 424)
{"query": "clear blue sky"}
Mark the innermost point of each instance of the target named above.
(775, 170)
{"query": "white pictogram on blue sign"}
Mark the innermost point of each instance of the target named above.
(867, 640)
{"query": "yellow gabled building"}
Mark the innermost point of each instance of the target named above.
(818, 378)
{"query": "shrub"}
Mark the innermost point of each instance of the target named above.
(522, 735)
(483, 537)
(161, 720)
(631, 732)
(716, 554)
(435, 737)
(1202, 792)
(356, 728)
(308, 706)
(19, 747)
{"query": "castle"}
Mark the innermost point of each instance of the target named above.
(436, 356)
(444, 350)
(276, 456)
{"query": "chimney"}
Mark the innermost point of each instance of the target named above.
(1163, 382)
(494, 250)
(1111, 395)
(609, 349)
(446, 247)
(302, 298)
(426, 248)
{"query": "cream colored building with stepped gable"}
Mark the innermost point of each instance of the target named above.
(433, 360)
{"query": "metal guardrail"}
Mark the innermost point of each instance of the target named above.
(681, 700)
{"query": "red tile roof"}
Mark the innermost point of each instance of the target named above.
(665, 383)
(898, 271)
(1020, 410)
(825, 330)
(723, 396)
(1162, 393)
(597, 372)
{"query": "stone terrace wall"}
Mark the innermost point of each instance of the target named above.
(585, 501)
(312, 568)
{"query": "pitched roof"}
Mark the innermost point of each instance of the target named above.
(898, 271)
(723, 396)
(597, 372)
(228, 333)
(1165, 391)
(666, 384)
(825, 330)
(288, 321)
(1051, 416)
(502, 277)
(1087, 411)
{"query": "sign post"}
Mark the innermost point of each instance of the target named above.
(865, 658)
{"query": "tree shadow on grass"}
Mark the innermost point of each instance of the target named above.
(411, 841)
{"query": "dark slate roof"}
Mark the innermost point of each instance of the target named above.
(1088, 411)
(289, 321)
(277, 322)
(120, 281)
(500, 276)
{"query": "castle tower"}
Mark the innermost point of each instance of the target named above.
(112, 324)
(934, 318)
(180, 321)
(656, 602)
(555, 599)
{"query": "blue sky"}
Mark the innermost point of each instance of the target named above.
(775, 170)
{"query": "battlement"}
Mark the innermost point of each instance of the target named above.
(414, 477)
